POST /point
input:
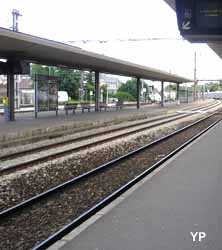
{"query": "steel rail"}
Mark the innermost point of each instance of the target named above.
(69, 141)
(96, 170)
(75, 223)
(71, 150)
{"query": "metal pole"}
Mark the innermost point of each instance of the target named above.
(15, 15)
(195, 76)
(57, 101)
(178, 92)
(162, 93)
(107, 95)
(11, 95)
(204, 91)
(138, 92)
(169, 93)
(148, 94)
(81, 87)
(187, 94)
(36, 97)
(141, 92)
(96, 91)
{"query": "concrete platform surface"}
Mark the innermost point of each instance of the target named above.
(26, 122)
(181, 199)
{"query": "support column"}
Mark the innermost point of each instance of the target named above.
(178, 92)
(187, 94)
(195, 77)
(97, 91)
(138, 90)
(162, 94)
(204, 92)
(11, 95)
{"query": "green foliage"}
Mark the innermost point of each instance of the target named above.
(124, 96)
(89, 78)
(171, 87)
(145, 85)
(69, 78)
(89, 87)
(104, 91)
(72, 101)
(69, 81)
(129, 87)
(213, 86)
(39, 69)
(86, 101)
(111, 95)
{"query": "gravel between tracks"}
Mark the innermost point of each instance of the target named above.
(39, 221)
(53, 131)
(76, 136)
(24, 184)
(63, 126)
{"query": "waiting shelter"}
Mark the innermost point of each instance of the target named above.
(20, 49)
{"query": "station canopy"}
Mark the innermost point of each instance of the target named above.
(215, 45)
(39, 50)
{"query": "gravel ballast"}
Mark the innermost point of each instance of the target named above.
(36, 223)
(42, 129)
(24, 184)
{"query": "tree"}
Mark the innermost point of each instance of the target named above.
(89, 87)
(40, 69)
(171, 87)
(69, 79)
(89, 77)
(123, 96)
(129, 87)
(103, 92)
(147, 93)
(213, 86)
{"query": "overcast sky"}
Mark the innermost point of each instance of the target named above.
(71, 20)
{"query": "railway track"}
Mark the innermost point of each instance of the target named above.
(56, 132)
(34, 220)
(38, 148)
(20, 160)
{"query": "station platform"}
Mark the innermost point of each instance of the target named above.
(27, 123)
(162, 211)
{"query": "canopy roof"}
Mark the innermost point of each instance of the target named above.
(215, 46)
(48, 52)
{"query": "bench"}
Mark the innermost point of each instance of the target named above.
(119, 105)
(69, 106)
(102, 106)
(85, 106)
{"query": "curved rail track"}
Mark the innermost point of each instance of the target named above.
(6, 156)
(29, 157)
(38, 200)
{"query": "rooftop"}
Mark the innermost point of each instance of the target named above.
(48, 52)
